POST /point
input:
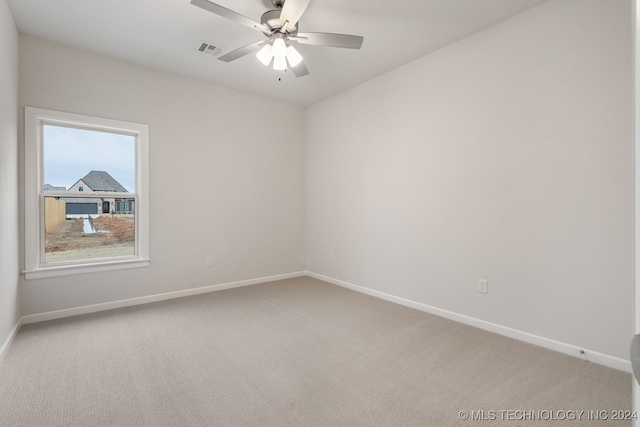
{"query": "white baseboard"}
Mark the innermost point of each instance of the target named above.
(58, 314)
(10, 338)
(593, 356)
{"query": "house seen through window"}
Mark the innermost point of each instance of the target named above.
(89, 200)
(81, 160)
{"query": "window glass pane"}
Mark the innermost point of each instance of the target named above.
(72, 156)
(86, 228)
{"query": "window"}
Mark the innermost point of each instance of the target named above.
(124, 206)
(86, 194)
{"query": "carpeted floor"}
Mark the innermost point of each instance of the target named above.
(297, 352)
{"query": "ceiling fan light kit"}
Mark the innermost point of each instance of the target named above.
(279, 63)
(279, 47)
(265, 55)
(280, 53)
(293, 56)
(280, 26)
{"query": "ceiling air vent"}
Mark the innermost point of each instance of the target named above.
(210, 49)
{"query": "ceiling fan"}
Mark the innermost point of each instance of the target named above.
(280, 26)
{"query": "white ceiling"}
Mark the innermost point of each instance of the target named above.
(166, 35)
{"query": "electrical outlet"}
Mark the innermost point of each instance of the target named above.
(483, 286)
(331, 257)
(210, 261)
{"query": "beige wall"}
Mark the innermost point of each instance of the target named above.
(9, 221)
(507, 156)
(224, 182)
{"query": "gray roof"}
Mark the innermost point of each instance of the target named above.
(102, 181)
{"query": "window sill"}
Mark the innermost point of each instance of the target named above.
(70, 270)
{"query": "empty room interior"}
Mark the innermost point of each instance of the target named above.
(430, 221)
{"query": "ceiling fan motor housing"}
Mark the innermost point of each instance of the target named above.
(271, 20)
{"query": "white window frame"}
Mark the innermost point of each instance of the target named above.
(35, 265)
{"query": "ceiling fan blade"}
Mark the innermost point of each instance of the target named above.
(292, 12)
(299, 70)
(240, 52)
(229, 14)
(329, 39)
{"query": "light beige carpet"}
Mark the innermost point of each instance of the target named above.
(297, 352)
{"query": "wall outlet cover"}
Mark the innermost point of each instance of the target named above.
(483, 286)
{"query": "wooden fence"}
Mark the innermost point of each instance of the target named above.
(54, 213)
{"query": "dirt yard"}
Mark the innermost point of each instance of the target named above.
(69, 235)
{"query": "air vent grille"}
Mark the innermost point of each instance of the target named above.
(210, 49)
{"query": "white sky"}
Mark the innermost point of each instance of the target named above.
(70, 154)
